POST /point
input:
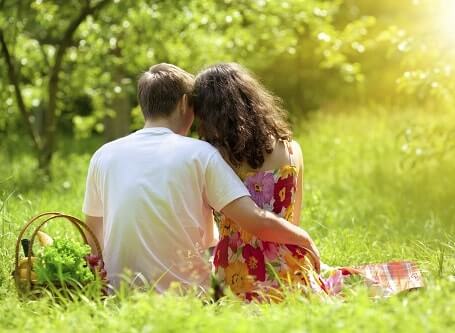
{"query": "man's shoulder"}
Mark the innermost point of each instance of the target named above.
(182, 144)
(194, 144)
(108, 147)
(193, 151)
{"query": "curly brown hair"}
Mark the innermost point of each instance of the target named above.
(238, 115)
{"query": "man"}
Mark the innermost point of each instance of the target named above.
(150, 195)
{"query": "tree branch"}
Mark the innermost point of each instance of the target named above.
(14, 80)
(51, 40)
(68, 35)
(61, 50)
(43, 53)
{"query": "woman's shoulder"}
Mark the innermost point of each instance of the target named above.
(281, 156)
(296, 148)
(297, 153)
(287, 153)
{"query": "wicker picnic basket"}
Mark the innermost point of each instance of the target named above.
(28, 283)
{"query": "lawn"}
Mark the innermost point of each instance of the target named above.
(379, 185)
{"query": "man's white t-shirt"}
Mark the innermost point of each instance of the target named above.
(155, 191)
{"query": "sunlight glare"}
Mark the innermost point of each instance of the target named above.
(447, 19)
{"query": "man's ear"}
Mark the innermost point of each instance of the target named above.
(186, 114)
(185, 104)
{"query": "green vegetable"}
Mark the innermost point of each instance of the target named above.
(63, 261)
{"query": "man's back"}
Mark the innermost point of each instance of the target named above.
(155, 190)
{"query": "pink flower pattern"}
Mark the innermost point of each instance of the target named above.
(261, 187)
(271, 250)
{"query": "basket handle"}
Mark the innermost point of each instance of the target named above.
(81, 227)
(24, 229)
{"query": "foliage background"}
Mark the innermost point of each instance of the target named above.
(311, 53)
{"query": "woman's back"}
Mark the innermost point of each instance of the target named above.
(284, 160)
(274, 185)
(249, 265)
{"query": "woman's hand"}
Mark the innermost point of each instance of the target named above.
(315, 255)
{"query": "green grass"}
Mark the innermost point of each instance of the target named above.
(379, 185)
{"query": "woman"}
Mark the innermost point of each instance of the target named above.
(247, 124)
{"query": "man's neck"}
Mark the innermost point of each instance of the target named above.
(162, 122)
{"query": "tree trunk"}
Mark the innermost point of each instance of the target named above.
(118, 124)
(49, 127)
(44, 159)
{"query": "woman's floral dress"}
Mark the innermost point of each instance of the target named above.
(251, 267)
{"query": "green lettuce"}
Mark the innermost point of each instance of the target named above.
(63, 261)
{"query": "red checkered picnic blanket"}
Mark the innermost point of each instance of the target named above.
(393, 277)
(383, 280)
